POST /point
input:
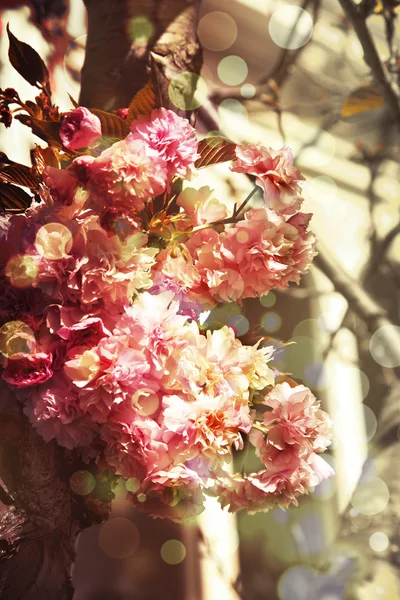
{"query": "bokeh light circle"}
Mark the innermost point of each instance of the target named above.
(53, 241)
(82, 483)
(118, 538)
(232, 70)
(385, 347)
(231, 105)
(16, 336)
(21, 270)
(173, 552)
(290, 27)
(271, 322)
(146, 402)
(297, 583)
(217, 31)
(370, 497)
(268, 300)
(242, 236)
(379, 541)
(140, 29)
(315, 375)
(239, 323)
(248, 90)
(187, 91)
(359, 521)
(132, 485)
(371, 422)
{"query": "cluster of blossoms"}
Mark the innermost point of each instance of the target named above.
(104, 284)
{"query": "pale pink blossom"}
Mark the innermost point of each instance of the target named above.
(154, 321)
(260, 253)
(171, 137)
(80, 128)
(207, 426)
(55, 412)
(61, 183)
(275, 173)
(135, 449)
(201, 206)
(295, 420)
(174, 493)
(124, 176)
(113, 270)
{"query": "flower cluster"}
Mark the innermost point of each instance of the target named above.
(104, 284)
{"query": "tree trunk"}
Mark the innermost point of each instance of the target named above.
(40, 516)
(117, 56)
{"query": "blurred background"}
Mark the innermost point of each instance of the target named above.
(277, 73)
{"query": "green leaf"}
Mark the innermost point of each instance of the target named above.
(27, 61)
(213, 150)
(13, 198)
(362, 99)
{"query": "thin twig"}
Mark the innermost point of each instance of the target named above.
(371, 56)
(360, 301)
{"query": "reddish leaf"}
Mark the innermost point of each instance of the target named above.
(27, 61)
(13, 199)
(215, 149)
(73, 102)
(112, 126)
(44, 157)
(49, 131)
(19, 174)
(144, 102)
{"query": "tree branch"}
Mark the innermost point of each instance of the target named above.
(360, 301)
(355, 15)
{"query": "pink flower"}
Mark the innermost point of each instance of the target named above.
(296, 420)
(125, 175)
(134, 448)
(275, 173)
(154, 323)
(112, 270)
(24, 370)
(201, 206)
(322, 470)
(54, 411)
(172, 137)
(61, 183)
(173, 493)
(80, 128)
(87, 333)
(208, 426)
(260, 253)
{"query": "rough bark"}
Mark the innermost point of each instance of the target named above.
(40, 516)
(116, 66)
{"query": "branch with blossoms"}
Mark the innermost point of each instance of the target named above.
(107, 271)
